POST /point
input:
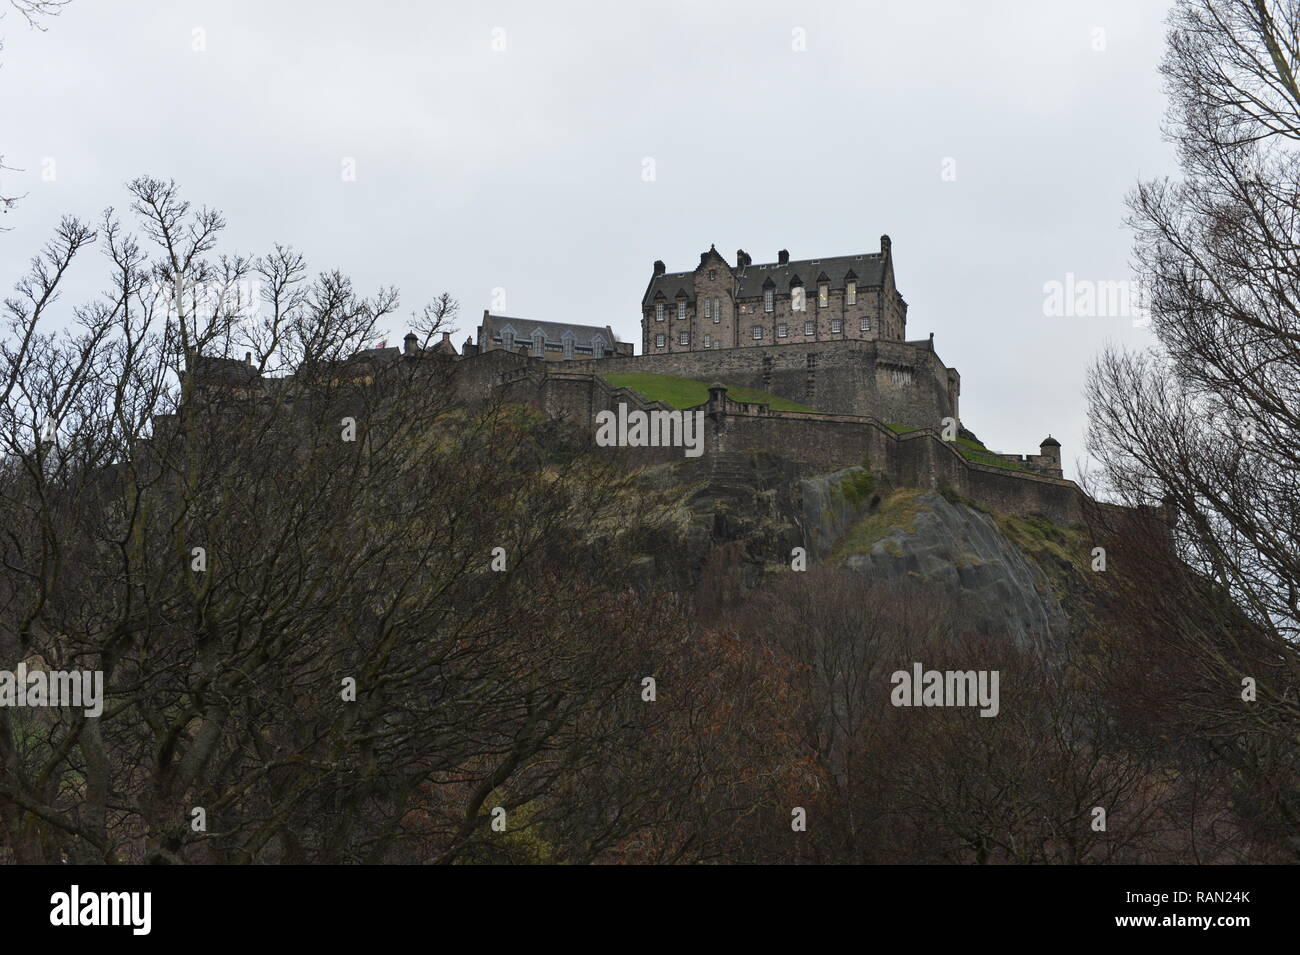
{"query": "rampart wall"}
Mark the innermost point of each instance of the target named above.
(901, 382)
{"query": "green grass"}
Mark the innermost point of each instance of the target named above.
(897, 512)
(970, 450)
(856, 487)
(687, 392)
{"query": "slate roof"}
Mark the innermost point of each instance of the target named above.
(669, 284)
(226, 371)
(555, 332)
(376, 354)
(868, 269)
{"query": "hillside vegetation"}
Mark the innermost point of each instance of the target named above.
(687, 392)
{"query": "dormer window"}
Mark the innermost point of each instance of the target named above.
(508, 339)
(769, 300)
(539, 344)
(598, 347)
(823, 295)
(567, 341)
(681, 309)
(851, 293)
(659, 312)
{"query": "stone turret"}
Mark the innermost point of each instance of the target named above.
(1049, 451)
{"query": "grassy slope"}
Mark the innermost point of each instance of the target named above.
(687, 392)
(970, 450)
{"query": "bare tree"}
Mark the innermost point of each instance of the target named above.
(340, 615)
(1208, 421)
(33, 12)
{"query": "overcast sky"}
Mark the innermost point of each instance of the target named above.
(993, 141)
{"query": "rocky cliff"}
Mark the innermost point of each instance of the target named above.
(741, 518)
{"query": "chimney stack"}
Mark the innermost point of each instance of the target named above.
(884, 246)
(742, 259)
(248, 358)
(659, 267)
(783, 257)
(410, 341)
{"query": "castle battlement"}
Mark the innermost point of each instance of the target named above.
(875, 397)
(816, 442)
(904, 383)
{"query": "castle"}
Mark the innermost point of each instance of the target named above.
(549, 341)
(845, 298)
(828, 335)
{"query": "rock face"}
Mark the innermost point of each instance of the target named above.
(832, 505)
(740, 516)
(996, 588)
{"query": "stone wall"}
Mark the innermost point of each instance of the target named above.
(900, 382)
(923, 459)
(818, 443)
(576, 398)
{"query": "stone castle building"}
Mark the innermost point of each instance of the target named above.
(549, 341)
(715, 306)
(828, 334)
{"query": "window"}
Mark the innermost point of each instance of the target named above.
(681, 309)
(598, 347)
(783, 331)
(659, 341)
(717, 311)
(865, 324)
(659, 312)
(807, 328)
(768, 300)
(836, 326)
(713, 274)
(798, 301)
(823, 295)
(508, 340)
(684, 338)
(757, 332)
(568, 349)
(708, 308)
(539, 344)
(851, 293)
(708, 340)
